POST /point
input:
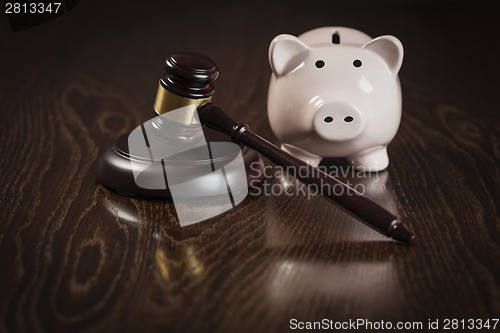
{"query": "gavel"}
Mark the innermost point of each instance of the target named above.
(187, 83)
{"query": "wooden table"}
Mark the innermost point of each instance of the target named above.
(76, 257)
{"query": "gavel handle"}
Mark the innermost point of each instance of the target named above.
(330, 188)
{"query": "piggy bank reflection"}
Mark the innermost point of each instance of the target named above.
(335, 92)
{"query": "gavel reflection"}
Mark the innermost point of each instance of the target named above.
(187, 85)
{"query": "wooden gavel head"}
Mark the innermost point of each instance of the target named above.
(188, 82)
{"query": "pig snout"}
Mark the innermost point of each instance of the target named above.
(338, 122)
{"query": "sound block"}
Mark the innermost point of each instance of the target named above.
(116, 166)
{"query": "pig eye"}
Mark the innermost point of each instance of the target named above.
(320, 63)
(357, 63)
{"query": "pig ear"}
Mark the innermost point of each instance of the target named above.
(390, 49)
(286, 53)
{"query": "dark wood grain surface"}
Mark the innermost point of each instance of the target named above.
(75, 257)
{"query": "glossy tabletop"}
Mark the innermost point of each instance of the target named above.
(77, 257)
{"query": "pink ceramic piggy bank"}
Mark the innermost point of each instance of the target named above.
(335, 92)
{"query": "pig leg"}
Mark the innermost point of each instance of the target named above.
(370, 160)
(312, 159)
